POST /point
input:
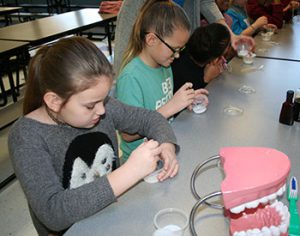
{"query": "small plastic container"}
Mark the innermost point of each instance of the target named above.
(152, 177)
(198, 106)
(170, 222)
(242, 49)
(249, 58)
(266, 36)
(270, 30)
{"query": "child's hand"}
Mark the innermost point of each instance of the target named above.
(260, 22)
(144, 158)
(171, 165)
(272, 26)
(202, 95)
(183, 97)
(212, 70)
(236, 39)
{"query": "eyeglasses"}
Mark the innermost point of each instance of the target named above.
(176, 51)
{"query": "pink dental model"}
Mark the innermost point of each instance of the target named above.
(254, 178)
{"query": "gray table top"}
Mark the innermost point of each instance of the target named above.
(201, 136)
(49, 28)
(283, 45)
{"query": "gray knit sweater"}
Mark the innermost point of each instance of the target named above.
(38, 152)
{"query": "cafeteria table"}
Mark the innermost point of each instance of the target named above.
(6, 11)
(9, 49)
(285, 45)
(201, 136)
(45, 30)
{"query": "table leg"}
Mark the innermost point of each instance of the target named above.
(107, 31)
(3, 93)
(12, 86)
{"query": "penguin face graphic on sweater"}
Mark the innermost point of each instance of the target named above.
(88, 157)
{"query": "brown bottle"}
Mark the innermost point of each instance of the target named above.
(297, 105)
(287, 109)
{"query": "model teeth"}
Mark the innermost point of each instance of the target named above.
(272, 230)
(255, 203)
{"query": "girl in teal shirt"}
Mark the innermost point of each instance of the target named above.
(146, 80)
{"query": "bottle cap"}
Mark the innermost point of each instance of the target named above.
(290, 94)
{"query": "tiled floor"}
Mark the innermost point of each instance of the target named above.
(14, 215)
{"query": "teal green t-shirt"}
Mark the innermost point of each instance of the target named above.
(143, 86)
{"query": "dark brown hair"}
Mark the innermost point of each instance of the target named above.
(208, 43)
(65, 67)
(162, 17)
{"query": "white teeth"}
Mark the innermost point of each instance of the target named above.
(272, 230)
(252, 204)
(264, 200)
(280, 192)
(272, 196)
(255, 231)
(275, 231)
(255, 203)
(283, 228)
(238, 209)
(266, 231)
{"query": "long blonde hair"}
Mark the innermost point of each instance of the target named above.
(158, 15)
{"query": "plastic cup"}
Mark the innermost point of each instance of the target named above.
(266, 36)
(249, 58)
(198, 105)
(242, 49)
(170, 222)
(270, 30)
(152, 177)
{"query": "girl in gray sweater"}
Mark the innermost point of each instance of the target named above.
(64, 149)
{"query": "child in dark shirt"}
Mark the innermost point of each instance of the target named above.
(202, 60)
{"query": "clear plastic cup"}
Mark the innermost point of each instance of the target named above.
(249, 58)
(242, 49)
(266, 36)
(170, 222)
(270, 30)
(199, 106)
(152, 177)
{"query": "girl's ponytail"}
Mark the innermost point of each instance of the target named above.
(161, 16)
(33, 98)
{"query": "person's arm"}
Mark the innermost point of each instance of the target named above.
(141, 162)
(181, 100)
(235, 39)
(130, 137)
(259, 23)
(212, 71)
(210, 11)
(136, 120)
(149, 124)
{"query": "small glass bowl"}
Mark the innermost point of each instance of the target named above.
(170, 221)
(249, 58)
(266, 36)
